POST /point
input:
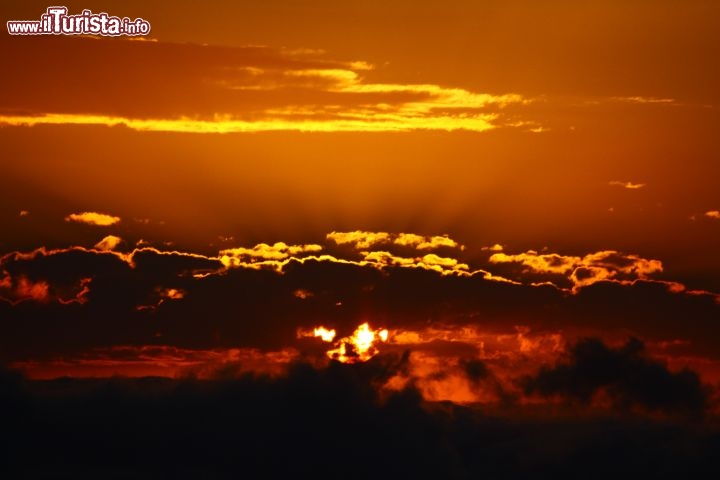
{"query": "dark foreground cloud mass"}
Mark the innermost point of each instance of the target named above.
(627, 378)
(321, 423)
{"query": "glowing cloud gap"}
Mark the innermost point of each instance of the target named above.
(358, 347)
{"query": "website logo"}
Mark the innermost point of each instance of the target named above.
(56, 21)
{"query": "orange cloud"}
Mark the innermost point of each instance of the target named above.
(22, 289)
(584, 271)
(203, 89)
(25, 289)
(93, 218)
(425, 243)
(357, 122)
(465, 364)
(363, 240)
(715, 214)
(161, 295)
(161, 360)
(303, 294)
(627, 185)
(233, 257)
(108, 243)
(359, 239)
(442, 265)
(646, 100)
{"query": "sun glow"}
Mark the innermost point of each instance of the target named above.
(324, 333)
(361, 346)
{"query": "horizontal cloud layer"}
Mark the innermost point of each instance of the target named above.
(212, 89)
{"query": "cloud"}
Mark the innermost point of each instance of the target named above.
(211, 89)
(224, 426)
(22, 288)
(714, 214)
(646, 100)
(160, 360)
(110, 242)
(512, 318)
(626, 185)
(624, 376)
(359, 239)
(606, 265)
(442, 265)
(303, 294)
(93, 218)
(227, 124)
(425, 243)
(160, 295)
(541, 263)
(277, 251)
(363, 240)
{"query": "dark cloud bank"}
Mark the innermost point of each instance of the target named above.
(333, 423)
(258, 308)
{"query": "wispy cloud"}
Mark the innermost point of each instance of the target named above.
(627, 185)
(646, 100)
(189, 88)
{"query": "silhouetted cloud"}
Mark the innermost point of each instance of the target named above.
(314, 423)
(624, 376)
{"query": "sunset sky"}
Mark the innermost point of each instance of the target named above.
(522, 195)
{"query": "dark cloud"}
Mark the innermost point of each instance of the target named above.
(192, 301)
(476, 370)
(625, 375)
(317, 423)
